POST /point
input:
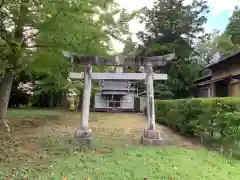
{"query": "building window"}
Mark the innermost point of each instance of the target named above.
(114, 101)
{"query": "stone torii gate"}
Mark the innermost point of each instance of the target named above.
(150, 135)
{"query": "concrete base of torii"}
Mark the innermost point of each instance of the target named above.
(153, 138)
(84, 137)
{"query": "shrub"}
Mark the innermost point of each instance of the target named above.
(161, 91)
(216, 119)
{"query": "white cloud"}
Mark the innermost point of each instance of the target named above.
(222, 5)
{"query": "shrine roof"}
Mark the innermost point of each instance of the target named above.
(119, 85)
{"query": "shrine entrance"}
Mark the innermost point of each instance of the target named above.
(114, 102)
(151, 136)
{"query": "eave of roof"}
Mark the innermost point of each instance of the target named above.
(207, 76)
(114, 92)
(223, 60)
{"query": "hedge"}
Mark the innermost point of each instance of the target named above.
(216, 119)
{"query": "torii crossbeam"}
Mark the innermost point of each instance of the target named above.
(151, 136)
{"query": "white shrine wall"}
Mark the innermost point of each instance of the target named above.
(128, 101)
(102, 103)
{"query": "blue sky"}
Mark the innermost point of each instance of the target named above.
(220, 11)
(217, 21)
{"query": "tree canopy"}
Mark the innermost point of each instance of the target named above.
(233, 27)
(173, 26)
(34, 33)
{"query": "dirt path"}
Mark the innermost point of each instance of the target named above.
(133, 125)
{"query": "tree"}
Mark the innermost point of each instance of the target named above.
(161, 91)
(207, 48)
(233, 27)
(21, 91)
(172, 26)
(225, 45)
(229, 41)
(31, 29)
(51, 84)
(130, 47)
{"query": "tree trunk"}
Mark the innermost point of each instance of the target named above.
(5, 91)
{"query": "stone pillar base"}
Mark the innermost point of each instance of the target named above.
(153, 137)
(84, 137)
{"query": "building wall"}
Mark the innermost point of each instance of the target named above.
(231, 67)
(205, 91)
(234, 88)
(142, 103)
(100, 101)
(115, 85)
(128, 101)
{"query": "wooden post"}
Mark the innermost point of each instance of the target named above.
(212, 89)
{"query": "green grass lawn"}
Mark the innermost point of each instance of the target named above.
(52, 156)
(136, 163)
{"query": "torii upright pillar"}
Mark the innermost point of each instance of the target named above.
(151, 136)
(150, 97)
(86, 100)
(84, 133)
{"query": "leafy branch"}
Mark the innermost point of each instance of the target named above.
(38, 32)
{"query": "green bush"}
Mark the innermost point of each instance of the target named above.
(216, 119)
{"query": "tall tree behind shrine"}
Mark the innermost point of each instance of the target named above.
(233, 27)
(229, 42)
(172, 26)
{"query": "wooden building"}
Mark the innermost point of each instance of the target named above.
(118, 96)
(223, 79)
